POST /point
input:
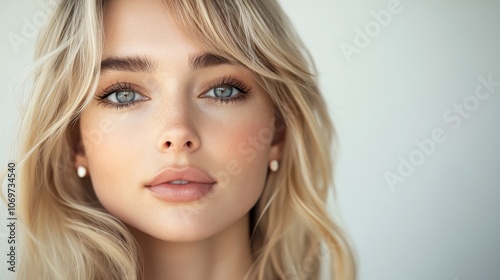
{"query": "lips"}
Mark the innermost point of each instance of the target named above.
(180, 177)
(181, 185)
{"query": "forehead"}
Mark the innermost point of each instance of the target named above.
(133, 27)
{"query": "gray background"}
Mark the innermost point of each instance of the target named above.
(443, 221)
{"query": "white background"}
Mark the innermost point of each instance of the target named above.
(443, 221)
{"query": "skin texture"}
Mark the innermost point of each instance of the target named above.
(175, 124)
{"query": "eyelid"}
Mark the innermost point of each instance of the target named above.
(120, 86)
(102, 98)
(228, 81)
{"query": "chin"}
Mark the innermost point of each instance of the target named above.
(180, 233)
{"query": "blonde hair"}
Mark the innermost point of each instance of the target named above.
(67, 233)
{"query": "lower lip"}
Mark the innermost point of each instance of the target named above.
(181, 193)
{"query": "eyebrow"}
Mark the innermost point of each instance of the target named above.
(143, 64)
(205, 60)
(128, 63)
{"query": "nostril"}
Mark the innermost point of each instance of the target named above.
(188, 144)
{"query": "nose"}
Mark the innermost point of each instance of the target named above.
(178, 129)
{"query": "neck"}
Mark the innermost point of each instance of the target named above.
(226, 255)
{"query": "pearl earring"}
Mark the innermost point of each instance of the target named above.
(274, 165)
(81, 171)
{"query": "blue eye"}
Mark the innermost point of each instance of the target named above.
(120, 95)
(223, 92)
(227, 90)
(124, 96)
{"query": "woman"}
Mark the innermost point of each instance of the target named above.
(176, 140)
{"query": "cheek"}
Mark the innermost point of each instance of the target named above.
(242, 153)
(112, 152)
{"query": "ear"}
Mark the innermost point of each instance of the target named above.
(278, 143)
(80, 158)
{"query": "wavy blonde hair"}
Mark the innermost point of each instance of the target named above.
(66, 232)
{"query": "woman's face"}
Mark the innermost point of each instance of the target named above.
(163, 104)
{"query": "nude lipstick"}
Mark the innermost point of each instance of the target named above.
(180, 185)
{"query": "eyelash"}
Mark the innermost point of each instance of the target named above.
(225, 81)
(116, 87)
(232, 82)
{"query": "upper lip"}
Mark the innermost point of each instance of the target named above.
(190, 174)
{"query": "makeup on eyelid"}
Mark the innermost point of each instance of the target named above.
(224, 83)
